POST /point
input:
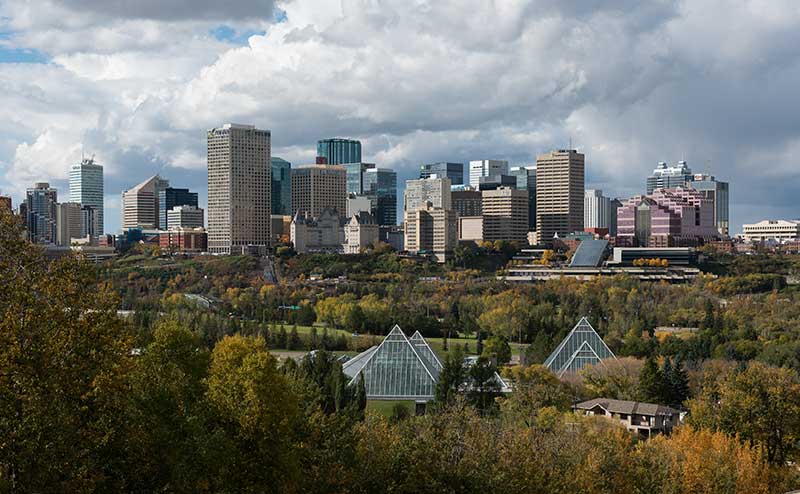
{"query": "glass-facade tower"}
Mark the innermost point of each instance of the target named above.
(281, 186)
(380, 185)
(339, 151)
(170, 197)
(86, 188)
(453, 171)
(526, 180)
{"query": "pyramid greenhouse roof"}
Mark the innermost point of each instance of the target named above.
(582, 347)
(397, 369)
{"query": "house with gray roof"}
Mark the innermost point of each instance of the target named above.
(646, 419)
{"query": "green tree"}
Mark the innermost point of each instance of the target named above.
(650, 381)
(64, 361)
(451, 377)
(498, 348)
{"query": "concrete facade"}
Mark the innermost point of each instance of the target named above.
(559, 193)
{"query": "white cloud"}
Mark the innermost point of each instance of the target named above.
(631, 82)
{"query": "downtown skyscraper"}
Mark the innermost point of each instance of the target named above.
(559, 193)
(239, 189)
(86, 189)
(338, 151)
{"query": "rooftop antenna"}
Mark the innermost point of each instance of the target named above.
(570, 143)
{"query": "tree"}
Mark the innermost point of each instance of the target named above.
(64, 362)
(482, 385)
(677, 381)
(294, 343)
(535, 388)
(498, 348)
(451, 377)
(650, 381)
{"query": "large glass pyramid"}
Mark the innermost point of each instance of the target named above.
(582, 347)
(397, 369)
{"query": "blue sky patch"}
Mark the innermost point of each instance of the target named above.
(231, 35)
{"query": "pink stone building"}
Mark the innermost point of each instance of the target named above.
(667, 218)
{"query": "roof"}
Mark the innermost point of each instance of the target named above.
(582, 347)
(590, 253)
(627, 407)
(397, 369)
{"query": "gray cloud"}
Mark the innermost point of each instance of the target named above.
(172, 10)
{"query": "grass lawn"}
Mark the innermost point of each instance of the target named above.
(385, 407)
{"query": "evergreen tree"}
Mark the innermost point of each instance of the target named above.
(281, 339)
(294, 342)
(479, 347)
(451, 377)
(667, 392)
(679, 382)
(650, 381)
(359, 402)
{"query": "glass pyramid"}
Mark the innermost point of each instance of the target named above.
(397, 369)
(582, 347)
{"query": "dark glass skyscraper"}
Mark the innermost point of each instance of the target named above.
(442, 169)
(281, 186)
(380, 185)
(339, 151)
(526, 180)
(355, 176)
(169, 198)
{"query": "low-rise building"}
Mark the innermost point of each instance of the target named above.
(183, 240)
(320, 234)
(778, 230)
(645, 419)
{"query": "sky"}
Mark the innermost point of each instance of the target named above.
(631, 83)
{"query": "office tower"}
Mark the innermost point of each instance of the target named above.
(317, 187)
(86, 188)
(355, 176)
(380, 186)
(667, 218)
(171, 197)
(5, 203)
(435, 191)
(140, 204)
(89, 222)
(453, 171)
(559, 193)
(669, 177)
(40, 213)
(526, 180)
(339, 151)
(614, 206)
(431, 230)
(184, 217)
(493, 182)
(69, 223)
(466, 201)
(505, 215)
(239, 189)
(717, 191)
(485, 168)
(281, 186)
(596, 209)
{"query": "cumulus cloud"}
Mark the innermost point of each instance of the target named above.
(631, 83)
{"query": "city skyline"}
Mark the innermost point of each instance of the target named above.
(671, 97)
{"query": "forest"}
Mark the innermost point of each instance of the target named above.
(169, 399)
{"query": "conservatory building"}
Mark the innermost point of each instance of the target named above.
(582, 347)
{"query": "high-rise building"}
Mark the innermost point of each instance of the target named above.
(171, 197)
(669, 177)
(614, 206)
(597, 210)
(40, 213)
(453, 171)
(717, 191)
(435, 191)
(281, 186)
(380, 185)
(319, 187)
(239, 189)
(493, 182)
(559, 193)
(466, 201)
(667, 218)
(86, 188)
(505, 215)
(485, 168)
(140, 204)
(357, 204)
(339, 151)
(526, 180)
(431, 230)
(355, 176)
(184, 217)
(69, 223)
